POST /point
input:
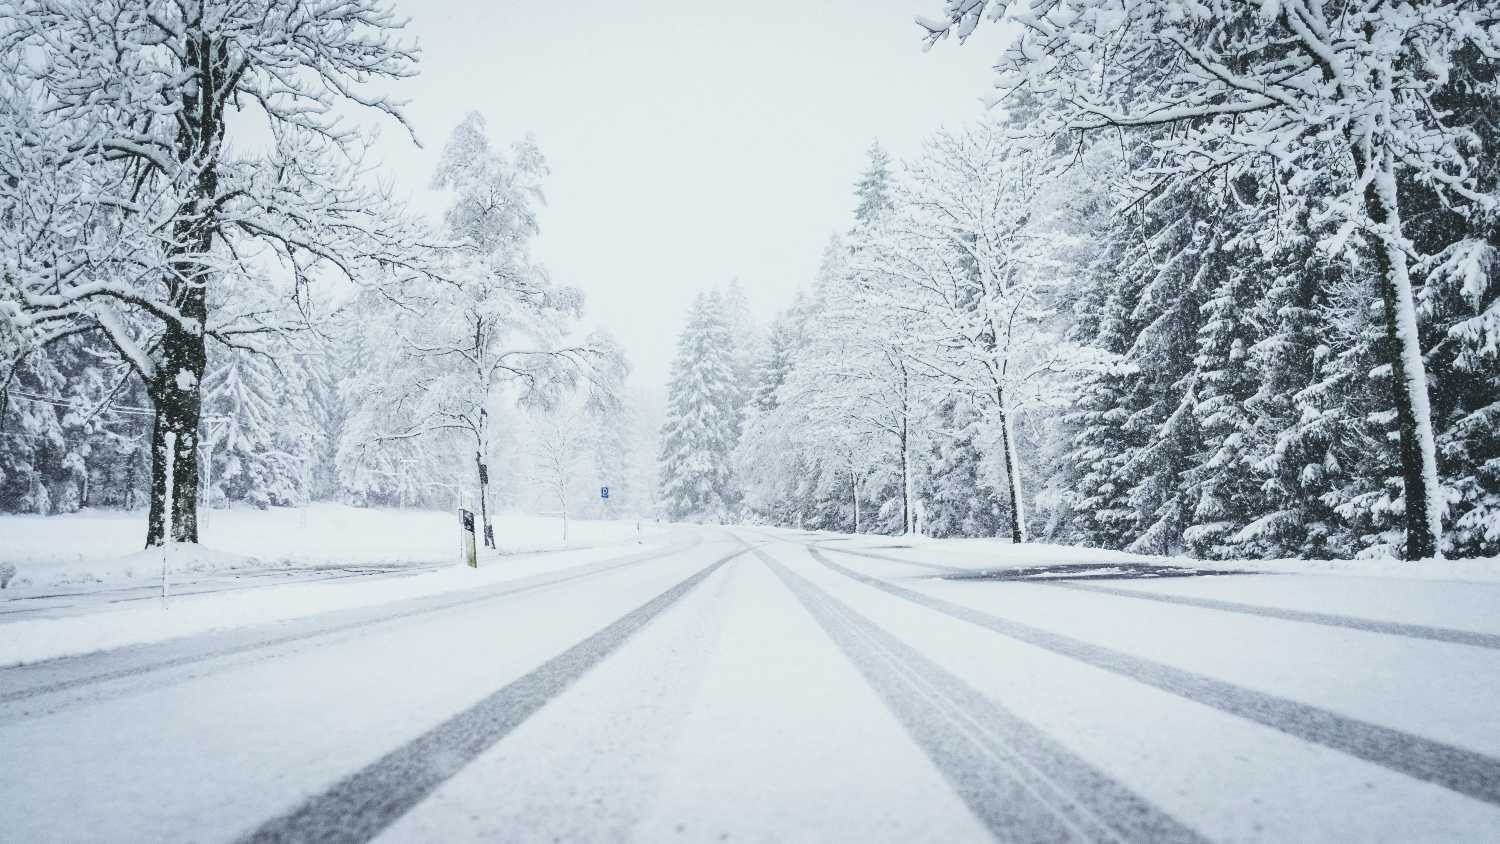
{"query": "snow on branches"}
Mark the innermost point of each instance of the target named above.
(137, 211)
(1224, 86)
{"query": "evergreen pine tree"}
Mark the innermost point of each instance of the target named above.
(872, 193)
(699, 436)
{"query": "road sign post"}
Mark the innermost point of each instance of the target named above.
(466, 526)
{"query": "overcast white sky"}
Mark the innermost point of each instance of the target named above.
(690, 142)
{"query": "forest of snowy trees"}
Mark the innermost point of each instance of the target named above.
(1209, 277)
(204, 279)
(1212, 277)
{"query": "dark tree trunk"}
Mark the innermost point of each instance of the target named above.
(176, 385)
(177, 411)
(484, 511)
(1408, 377)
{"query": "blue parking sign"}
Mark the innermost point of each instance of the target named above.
(604, 492)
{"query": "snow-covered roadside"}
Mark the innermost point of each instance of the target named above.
(983, 554)
(94, 546)
(39, 639)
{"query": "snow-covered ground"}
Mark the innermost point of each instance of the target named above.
(78, 589)
(998, 554)
(154, 620)
(96, 546)
(706, 690)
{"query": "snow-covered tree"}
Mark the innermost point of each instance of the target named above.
(704, 398)
(872, 193)
(156, 154)
(491, 329)
(969, 254)
(960, 499)
(559, 443)
(1280, 84)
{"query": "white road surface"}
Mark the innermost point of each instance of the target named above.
(753, 685)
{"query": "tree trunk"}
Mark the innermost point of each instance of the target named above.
(484, 511)
(1419, 474)
(906, 526)
(1012, 472)
(854, 486)
(179, 404)
(176, 384)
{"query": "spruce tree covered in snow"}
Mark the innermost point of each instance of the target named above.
(704, 399)
(260, 437)
(1181, 265)
(960, 500)
(872, 193)
(1224, 486)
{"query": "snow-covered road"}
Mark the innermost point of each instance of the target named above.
(770, 685)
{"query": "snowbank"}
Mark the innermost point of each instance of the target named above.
(985, 554)
(39, 639)
(99, 545)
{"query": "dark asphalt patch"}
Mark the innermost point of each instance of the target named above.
(1090, 571)
(362, 805)
(1022, 784)
(1454, 768)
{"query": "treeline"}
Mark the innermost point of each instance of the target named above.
(1278, 372)
(1143, 307)
(374, 400)
(208, 295)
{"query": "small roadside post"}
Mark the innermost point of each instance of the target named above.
(466, 527)
(166, 510)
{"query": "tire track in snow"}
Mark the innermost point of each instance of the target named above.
(1454, 768)
(1021, 783)
(362, 805)
(42, 678)
(1390, 628)
(913, 563)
